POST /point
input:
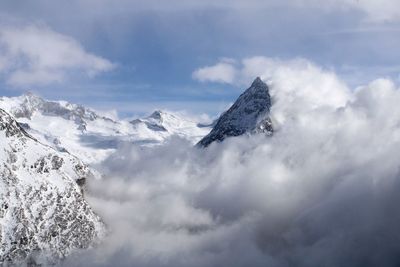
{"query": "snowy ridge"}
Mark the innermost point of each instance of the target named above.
(161, 124)
(249, 114)
(43, 214)
(63, 126)
(90, 136)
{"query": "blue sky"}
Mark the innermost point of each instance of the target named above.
(135, 56)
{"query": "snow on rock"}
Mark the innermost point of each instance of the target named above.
(43, 214)
(249, 114)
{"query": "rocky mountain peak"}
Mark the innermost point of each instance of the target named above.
(249, 114)
(258, 81)
(29, 95)
(157, 114)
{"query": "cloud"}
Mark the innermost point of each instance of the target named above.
(223, 72)
(37, 55)
(382, 10)
(322, 191)
(297, 79)
(377, 11)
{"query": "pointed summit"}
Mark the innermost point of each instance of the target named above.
(32, 97)
(28, 93)
(157, 114)
(257, 81)
(249, 114)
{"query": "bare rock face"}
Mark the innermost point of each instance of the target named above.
(43, 214)
(249, 114)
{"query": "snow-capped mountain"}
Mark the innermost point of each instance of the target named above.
(43, 214)
(90, 136)
(161, 125)
(249, 114)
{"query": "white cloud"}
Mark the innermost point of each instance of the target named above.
(322, 191)
(298, 81)
(35, 54)
(223, 72)
(377, 11)
(296, 84)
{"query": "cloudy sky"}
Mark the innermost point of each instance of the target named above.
(323, 191)
(136, 55)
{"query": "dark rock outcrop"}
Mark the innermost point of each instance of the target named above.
(249, 114)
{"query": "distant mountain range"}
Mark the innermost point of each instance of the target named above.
(90, 136)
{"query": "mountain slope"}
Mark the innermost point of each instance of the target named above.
(249, 114)
(43, 214)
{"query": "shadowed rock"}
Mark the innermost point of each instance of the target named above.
(249, 114)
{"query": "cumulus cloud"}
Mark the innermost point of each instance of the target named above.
(224, 72)
(322, 191)
(297, 79)
(35, 54)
